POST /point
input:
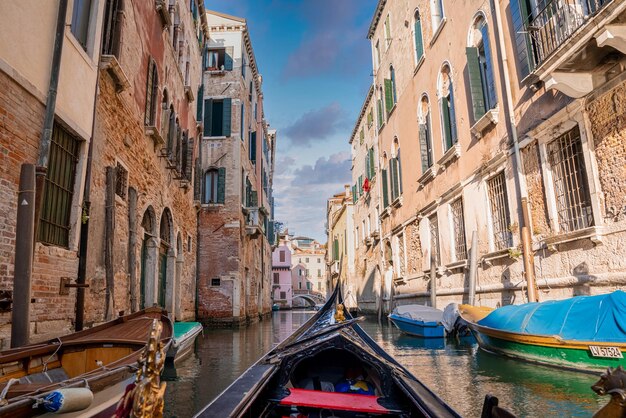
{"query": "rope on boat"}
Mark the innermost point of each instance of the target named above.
(45, 363)
(3, 395)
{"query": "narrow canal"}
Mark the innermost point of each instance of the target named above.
(458, 372)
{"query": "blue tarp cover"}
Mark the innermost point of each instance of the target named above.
(599, 318)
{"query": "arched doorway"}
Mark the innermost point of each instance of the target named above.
(165, 234)
(148, 258)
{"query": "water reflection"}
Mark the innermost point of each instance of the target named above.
(456, 370)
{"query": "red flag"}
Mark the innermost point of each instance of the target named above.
(366, 185)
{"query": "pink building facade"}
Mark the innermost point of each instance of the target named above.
(282, 292)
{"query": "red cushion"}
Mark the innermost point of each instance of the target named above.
(334, 400)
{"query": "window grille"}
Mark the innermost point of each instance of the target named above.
(276, 278)
(460, 249)
(434, 239)
(401, 252)
(500, 220)
(571, 191)
(283, 295)
(216, 282)
(121, 181)
(54, 225)
(152, 88)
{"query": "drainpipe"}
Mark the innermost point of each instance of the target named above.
(522, 197)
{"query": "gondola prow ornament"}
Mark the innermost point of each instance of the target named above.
(339, 316)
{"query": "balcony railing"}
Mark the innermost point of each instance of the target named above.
(557, 20)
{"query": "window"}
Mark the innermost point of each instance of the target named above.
(250, 92)
(319, 260)
(319, 286)
(218, 59)
(480, 70)
(458, 227)
(252, 147)
(80, 21)
(571, 190)
(391, 97)
(436, 13)
(395, 173)
(216, 281)
(214, 185)
(379, 109)
(370, 118)
(307, 272)
(276, 278)
(282, 256)
(113, 11)
(387, 32)
(417, 37)
(121, 181)
(446, 103)
(434, 241)
(499, 211)
(425, 134)
(383, 178)
(377, 54)
(300, 285)
(336, 250)
(243, 64)
(243, 119)
(307, 259)
(151, 94)
(54, 226)
(217, 117)
(308, 285)
(283, 295)
(363, 233)
(319, 272)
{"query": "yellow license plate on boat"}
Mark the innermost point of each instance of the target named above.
(603, 351)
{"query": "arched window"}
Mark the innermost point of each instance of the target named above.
(436, 13)
(152, 88)
(417, 37)
(390, 90)
(214, 185)
(395, 171)
(380, 108)
(385, 184)
(392, 76)
(171, 129)
(480, 69)
(425, 133)
(446, 105)
(165, 114)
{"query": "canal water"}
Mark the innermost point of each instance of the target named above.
(457, 371)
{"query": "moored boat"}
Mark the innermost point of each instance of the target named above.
(185, 334)
(101, 359)
(418, 320)
(330, 366)
(584, 333)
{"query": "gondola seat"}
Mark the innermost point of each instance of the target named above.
(334, 401)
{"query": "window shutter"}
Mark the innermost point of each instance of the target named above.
(393, 169)
(189, 159)
(228, 59)
(227, 114)
(424, 147)
(252, 147)
(254, 199)
(361, 185)
(476, 84)
(367, 164)
(197, 186)
(361, 136)
(491, 81)
(243, 119)
(243, 64)
(453, 133)
(172, 134)
(388, 95)
(372, 164)
(208, 116)
(383, 178)
(520, 17)
(399, 169)
(370, 118)
(149, 88)
(199, 102)
(445, 116)
(205, 59)
(419, 42)
(221, 185)
(354, 195)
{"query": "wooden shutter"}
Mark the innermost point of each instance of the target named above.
(445, 116)
(361, 136)
(379, 103)
(361, 185)
(208, 116)
(221, 185)
(395, 187)
(424, 147)
(399, 169)
(388, 95)
(383, 178)
(189, 159)
(228, 59)
(372, 164)
(199, 101)
(476, 83)
(419, 42)
(370, 118)
(227, 115)
(243, 120)
(254, 199)
(149, 88)
(367, 164)
(197, 185)
(354, 195)
(519, 17)
(489, 76)
(453, 132)
(252, 147)
(205, 59)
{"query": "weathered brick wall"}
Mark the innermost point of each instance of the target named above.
(607, 116)
(536, 193)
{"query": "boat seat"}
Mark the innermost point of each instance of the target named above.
(51, 376)
(334, 401)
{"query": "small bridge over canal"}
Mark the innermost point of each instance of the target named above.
(309, 296)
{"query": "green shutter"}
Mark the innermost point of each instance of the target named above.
(361, 136)
(336, 250)
(243, 118)
(354, 195)
(361, 185)
(445, 116)
(419, 42)
(221, 185)
(252, 147)
(228, 59)
(189, 158)
(388, 95)
(199, 102)
(395, 186)
(492, 97)
(383, 178)
(227, 115)
(254, 199)
(379, 104)
(453, 133)
(476, 83)
(367, 164)
(399, 168)
(520, 18)
(208, 116)
(370, 118)
(424, 147)
(372, 164)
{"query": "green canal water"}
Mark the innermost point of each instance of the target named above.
(458, 372)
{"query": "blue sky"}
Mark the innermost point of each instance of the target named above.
(316, 65)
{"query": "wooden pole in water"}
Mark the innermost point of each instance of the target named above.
(433, 281)
(472, 269)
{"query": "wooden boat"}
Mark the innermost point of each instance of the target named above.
(331, 367)
(185, 334)
(102, 358)
(418, 320)
(583, 333)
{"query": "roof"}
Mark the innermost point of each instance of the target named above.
(226, 16)
(376, 18)
(362, 114)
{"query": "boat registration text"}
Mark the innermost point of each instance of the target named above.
(603, 351)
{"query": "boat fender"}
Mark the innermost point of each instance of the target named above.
(68, 400)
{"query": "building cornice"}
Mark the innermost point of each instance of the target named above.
(368, 98)
(376, 18)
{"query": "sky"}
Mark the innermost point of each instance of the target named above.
(315, 60)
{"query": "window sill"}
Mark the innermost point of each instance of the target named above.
(438, 31)
(211, 205)
(495, 255)
(216, 72)
(385, 213)
(215, 137)
(594, 233)
(397, 202)
(154, 133)
(163, 9)
(450, 155)
(112, 66)
(189, 94)
(419, 63)
(457, 265)
(489, 118)
(428, 175)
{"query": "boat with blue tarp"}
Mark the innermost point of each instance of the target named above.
(586, 333)
(418, 320)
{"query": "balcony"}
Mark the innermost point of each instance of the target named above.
(254, 224)
(575, 46)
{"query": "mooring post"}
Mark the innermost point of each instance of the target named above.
(24, 242)
(472, 269)
(433, 281)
